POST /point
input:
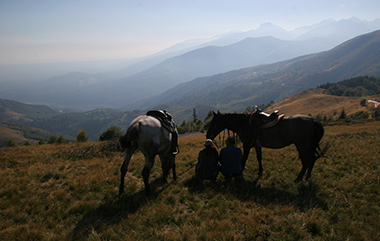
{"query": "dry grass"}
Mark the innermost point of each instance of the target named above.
(69, 192)
(316, 101)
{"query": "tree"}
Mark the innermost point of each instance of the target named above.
(195, 115)
(53, 139)
(360, 115)
(376, 114)
(111, 133)
(61, 140)
(11, 143)
(82, 136)
(207, 120)
(343, 115)
(182, 128)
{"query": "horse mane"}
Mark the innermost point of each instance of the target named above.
(239, 117)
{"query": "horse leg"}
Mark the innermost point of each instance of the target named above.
(174, 173)
(246, 148)
(172, 166)
(165, 167)
(302, 172)
(313, 158)
(259, 160)
(149, 161)
(305, 158)
(124, 168)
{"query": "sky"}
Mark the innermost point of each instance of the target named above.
(42, 31)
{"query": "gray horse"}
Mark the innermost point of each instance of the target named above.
(302, 131)
(148, 134)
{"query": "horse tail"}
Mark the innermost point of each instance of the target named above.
(130, 136)
(318, 134)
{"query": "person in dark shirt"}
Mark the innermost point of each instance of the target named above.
(230, 159)
(207, 166)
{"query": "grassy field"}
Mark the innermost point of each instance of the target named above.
(70, 192)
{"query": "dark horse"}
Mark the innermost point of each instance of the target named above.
(148, 134)
(302, 131)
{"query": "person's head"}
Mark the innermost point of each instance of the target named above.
(230, 141)
(208, 143)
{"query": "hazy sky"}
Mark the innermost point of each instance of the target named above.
(34, 31)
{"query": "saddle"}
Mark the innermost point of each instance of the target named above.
(167, 122)
(271, 120)
(264, 120)
(164, 117)
(260, 120)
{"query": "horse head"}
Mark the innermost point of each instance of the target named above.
(216, 126)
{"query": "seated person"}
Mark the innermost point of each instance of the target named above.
(207, 165)
(230, 159)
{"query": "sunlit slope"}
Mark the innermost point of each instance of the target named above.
(317, 101)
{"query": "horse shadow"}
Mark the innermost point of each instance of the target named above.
(307, 195)
(115, 210)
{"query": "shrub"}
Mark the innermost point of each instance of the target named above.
(111, 133)
(82, 136)
(343, 115)
(53, 139)
(360, 115)
(11, 143)
(376, 114)
(61, 140)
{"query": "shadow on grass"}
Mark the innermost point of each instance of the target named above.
(113, 211)
(306, 196)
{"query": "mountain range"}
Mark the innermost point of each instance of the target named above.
(30, 123)
(235, 90)
(175, 66)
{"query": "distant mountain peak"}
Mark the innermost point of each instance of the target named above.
(352, 19)
(269, 26)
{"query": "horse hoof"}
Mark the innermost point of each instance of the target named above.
(260, 173)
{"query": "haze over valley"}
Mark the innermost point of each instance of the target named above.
(127, 87)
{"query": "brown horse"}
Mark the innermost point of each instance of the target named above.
(302, 131)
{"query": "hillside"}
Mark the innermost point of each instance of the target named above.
(14, 110)
(212, 60)
(23, 122)
(331, 98)
(15, 121)
(240, 88)
(318, 101)
(21, 134)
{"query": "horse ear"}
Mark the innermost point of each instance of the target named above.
(218, 112)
